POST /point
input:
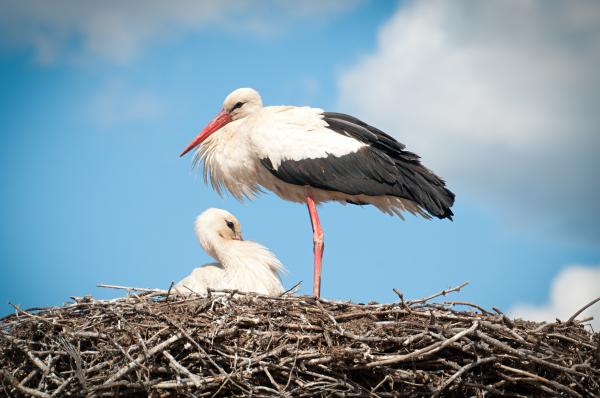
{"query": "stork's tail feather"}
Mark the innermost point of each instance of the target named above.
(428, 190)
(445, 205)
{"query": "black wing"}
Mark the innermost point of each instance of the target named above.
(383, 167)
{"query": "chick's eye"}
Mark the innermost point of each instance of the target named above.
(237, 105)
(230, 225)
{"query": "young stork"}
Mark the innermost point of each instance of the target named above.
(241, 264)
(310, 156)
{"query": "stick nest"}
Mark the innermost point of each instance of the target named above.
(231, 344)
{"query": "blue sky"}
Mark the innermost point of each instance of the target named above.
(97, 103)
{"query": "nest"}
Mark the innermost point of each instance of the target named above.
(232, 344)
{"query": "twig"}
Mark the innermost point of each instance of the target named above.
(25, 390)
(520, 354)
(460, 372)
(554, 384)
(401, 297)
(123, 371)
(36, 361)
(293, 366)
(424, 352)
(21, 311)
(169, 291)
(130, 289)
(572, 318)
(271, 379)
(483, 311)
(442, 293)
(380, 383)
(291, 289)
(182, 369)
(62, 387)
(31, 375)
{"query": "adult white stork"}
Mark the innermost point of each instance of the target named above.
(310, 156)
(241, 265)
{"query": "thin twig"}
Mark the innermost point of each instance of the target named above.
(169, 291)
(575, 315)
(483, 310)
(442, 293)
(131, 289)
(292, 289)
(554, 384)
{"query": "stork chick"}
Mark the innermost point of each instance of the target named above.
(241, 265)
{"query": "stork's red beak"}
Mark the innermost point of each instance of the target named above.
(219, 121)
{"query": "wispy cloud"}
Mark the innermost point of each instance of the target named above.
(117, 102)
(572, 288)
(118, 30)
(501, 98)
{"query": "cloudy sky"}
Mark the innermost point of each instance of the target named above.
(499, 97)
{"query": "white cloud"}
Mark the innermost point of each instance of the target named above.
(118, 30)
(571, 289)
(499, 97)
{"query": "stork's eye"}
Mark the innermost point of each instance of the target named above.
(230, 225)
(237, 105)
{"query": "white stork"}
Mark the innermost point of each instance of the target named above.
(242, 265)
(310, 156)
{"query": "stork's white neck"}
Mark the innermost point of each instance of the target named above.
(222, 250)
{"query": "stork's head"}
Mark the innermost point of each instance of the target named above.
(215, 227)
(239, 104)
(242, 102)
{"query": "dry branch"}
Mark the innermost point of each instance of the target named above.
(157, 343)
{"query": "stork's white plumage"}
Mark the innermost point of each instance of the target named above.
(242, 265)
(310, 156)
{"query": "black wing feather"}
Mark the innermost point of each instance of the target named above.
(382, 167)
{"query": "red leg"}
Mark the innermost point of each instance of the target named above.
(317, 244)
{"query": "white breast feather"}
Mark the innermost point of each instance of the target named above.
(228, 162)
